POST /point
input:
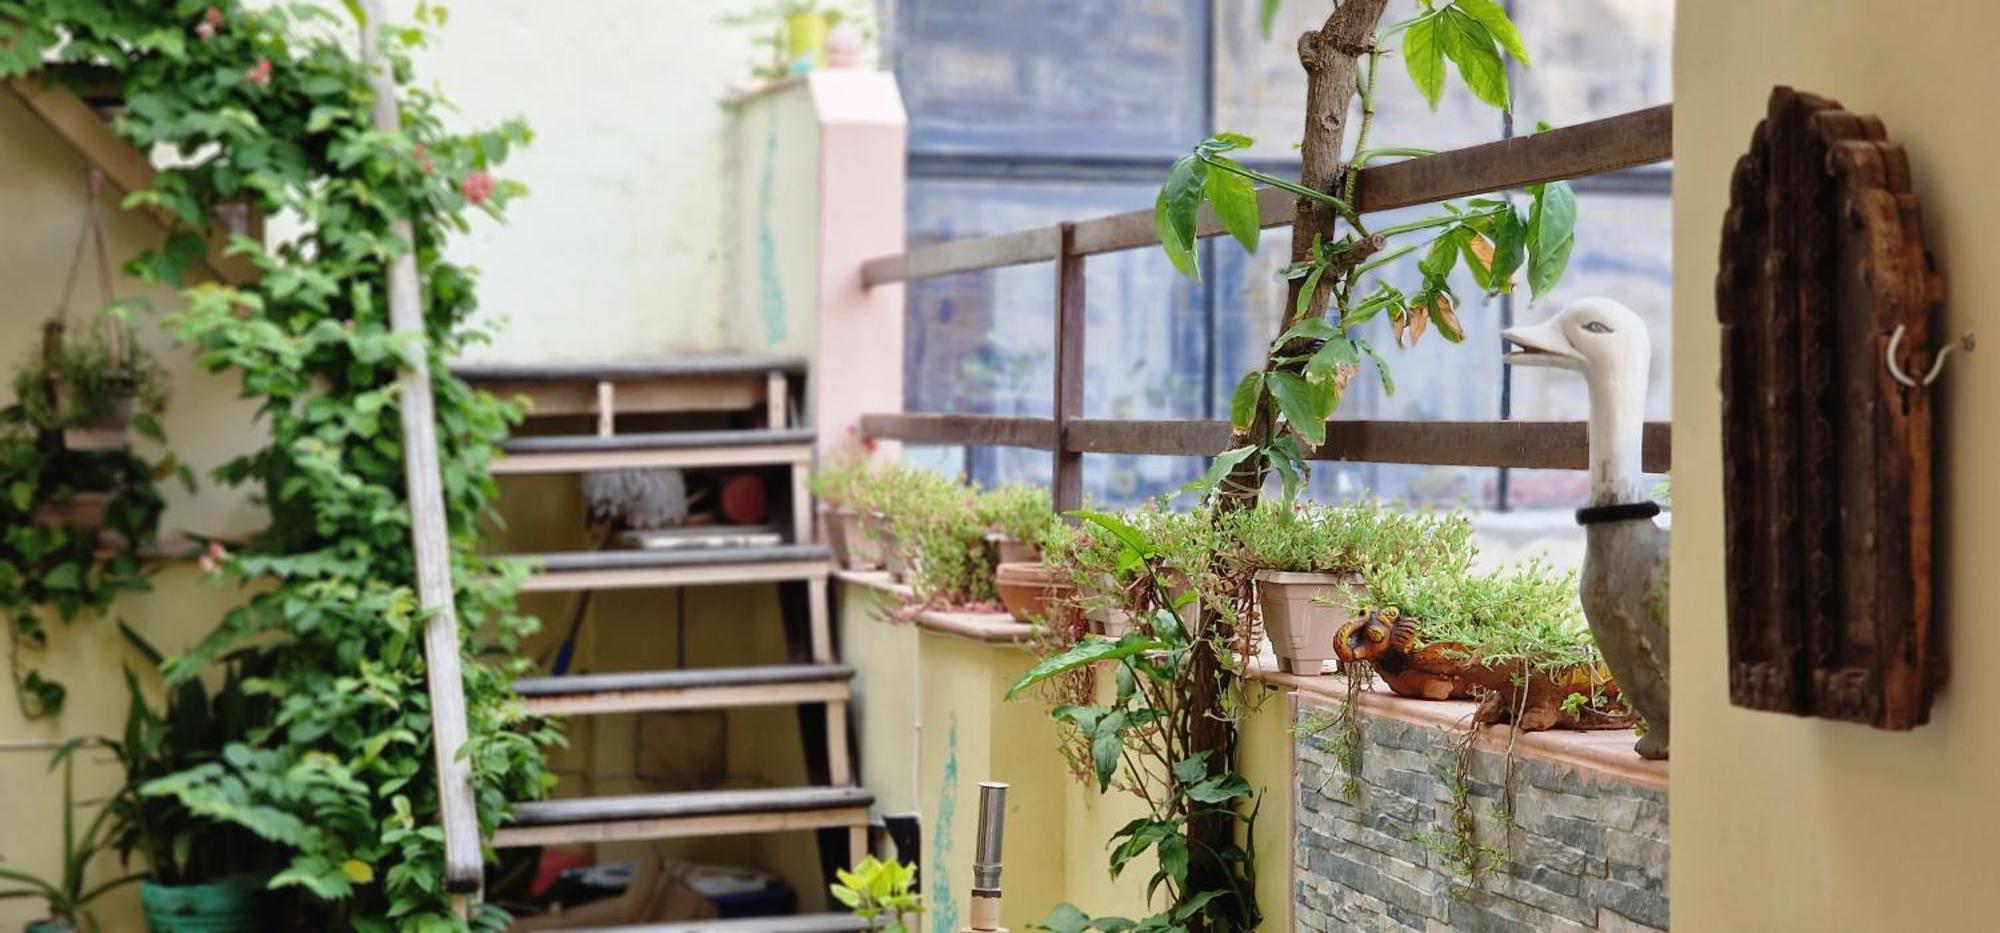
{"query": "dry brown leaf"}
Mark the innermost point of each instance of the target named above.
(1482, 250)
(1447, 316)
(1420, 318)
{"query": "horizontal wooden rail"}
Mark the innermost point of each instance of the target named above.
(1596, 147)
(1537, 445)
(974, 430)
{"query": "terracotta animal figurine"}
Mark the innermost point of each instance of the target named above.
(1385, 640)
(1625, 556)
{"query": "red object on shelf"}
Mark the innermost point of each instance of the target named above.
(744, 501)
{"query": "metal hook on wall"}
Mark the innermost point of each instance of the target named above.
(1964, 343)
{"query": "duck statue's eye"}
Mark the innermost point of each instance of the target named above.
(1597, 327)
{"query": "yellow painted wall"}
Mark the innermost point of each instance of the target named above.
(1056, 827)
(1786, 824)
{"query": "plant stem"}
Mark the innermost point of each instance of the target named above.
(1236, 168)
(1361, 134)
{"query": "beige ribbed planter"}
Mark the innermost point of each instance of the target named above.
(1302, 612)
(851, 545)
(1031, 591)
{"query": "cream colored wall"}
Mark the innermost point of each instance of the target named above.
(621, 250)
(42, 198)
(1788, 824)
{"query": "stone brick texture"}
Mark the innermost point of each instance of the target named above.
(1584, 851)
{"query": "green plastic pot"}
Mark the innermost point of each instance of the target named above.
(226, 906)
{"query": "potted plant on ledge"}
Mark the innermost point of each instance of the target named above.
(837, 484)
(1309, 561)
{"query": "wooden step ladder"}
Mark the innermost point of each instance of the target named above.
(603, 396)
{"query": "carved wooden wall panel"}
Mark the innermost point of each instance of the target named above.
(1827, 457)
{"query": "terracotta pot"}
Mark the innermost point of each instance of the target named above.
(1302, 613)
(83, 510)
(852, 546)
(1030, 591)
(1012, 550)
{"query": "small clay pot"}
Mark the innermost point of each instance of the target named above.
(112, 431)
(852, 547)
(1030, 591)
(1012, 550)
(1302, 613)
(84, 510)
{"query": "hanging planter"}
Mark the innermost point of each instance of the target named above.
(110, 427)
(82, 510)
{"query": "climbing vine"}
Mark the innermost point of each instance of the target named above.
(269, 103)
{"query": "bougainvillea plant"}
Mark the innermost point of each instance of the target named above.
(270, 102)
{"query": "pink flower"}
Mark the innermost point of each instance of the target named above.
(213, 17)
(260, 73)
(211, 560)
(205, 30)
(477, 187)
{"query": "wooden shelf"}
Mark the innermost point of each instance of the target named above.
(715, 688)
(683, 449)
(693, 813)
(803, 923)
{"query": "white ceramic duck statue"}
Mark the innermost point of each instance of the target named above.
(1625, 558)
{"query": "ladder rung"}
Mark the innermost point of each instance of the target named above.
(581, 570)
(715, 688)
(685, 449)
(693, 813)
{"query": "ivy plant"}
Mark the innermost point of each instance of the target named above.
(269, 103)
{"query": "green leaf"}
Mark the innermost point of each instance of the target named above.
(22, 494)
(1335, 353)
(1510, 248)
(1180, 252)
(1224, 462)
(1083, 654)
(1301, 404)
(1309, 290)
(1191, 769)
(1552, 236)
(1174, 858)
(1106, 746)
(1381, 366)
(1126, 534)
(1226, 142)
(1235, 201)
(63, 577)
(1268, 16)
(1066, 918)
(1494, 17)
(1470, 46)
(1423, 55)
(1179, 207)
(1243, 402)
(1220, 788)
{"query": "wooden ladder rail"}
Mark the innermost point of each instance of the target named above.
(464, 861)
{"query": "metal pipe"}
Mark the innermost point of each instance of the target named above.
(992, 823)
(985, 905)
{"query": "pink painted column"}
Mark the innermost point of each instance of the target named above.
(857, 359)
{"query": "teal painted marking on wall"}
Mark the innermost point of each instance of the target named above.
(944, 906)
(770, 293)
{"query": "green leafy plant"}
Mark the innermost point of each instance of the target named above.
(1317, 352)
(95, 378)
(837, 480)
(1524, 614)
(52, 568)
(1019, 511)
(1352, 537)
(69, 896)
(935, 519)
(272, 106)
(1139, 742)
(880, 892)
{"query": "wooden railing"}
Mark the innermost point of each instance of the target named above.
(1610, 144)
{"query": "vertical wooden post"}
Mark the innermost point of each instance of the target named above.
(1067, 484)
(429, 535)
